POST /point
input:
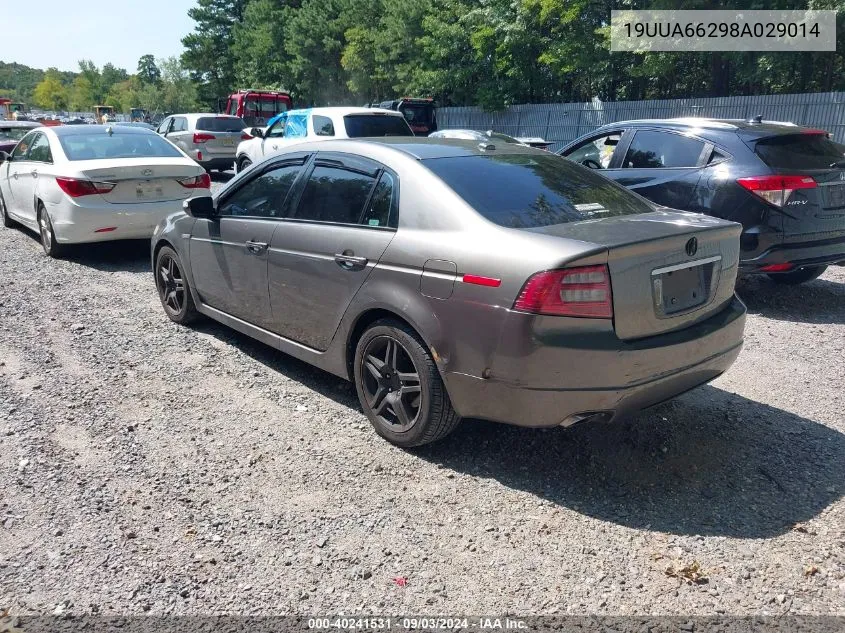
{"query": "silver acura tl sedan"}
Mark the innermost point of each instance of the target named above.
(451, 279)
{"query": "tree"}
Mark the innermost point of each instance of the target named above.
(81, 94)
(261, 60)
(178, 93)
(148, 72)
(50, 93)
(208, 51)
(110, 76)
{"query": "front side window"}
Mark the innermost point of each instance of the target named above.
(597, 152)
(165, 126)
(323, 125)
(530, 190)
(264, 196)
(21, 149)
(277, 130)
(296, 126)
(180, 124)
(334, 194)
(40, 150)
(651, 149)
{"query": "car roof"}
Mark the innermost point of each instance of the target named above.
(80, 130)
(13, 124)
(422, 148)
(763, 128)
(344, 110)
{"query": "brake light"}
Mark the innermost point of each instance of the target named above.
(813, 132)
(203, 181)
(78, 187)
(200, 138)
(776, 189)
(576, 292)
(245, 136)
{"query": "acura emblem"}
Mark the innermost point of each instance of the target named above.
(692, 246)
(147, 172)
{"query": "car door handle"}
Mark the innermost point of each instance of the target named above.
(350, 262)
(34, 173)
(256, 247)
(15, 175)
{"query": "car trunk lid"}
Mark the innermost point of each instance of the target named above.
(138, 181)
(668, 270)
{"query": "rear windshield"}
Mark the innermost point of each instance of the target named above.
(14, 133)
(800, 151)
(96, 145)
(418, 114)
(361, 125)
(220, 124)
(528, 190)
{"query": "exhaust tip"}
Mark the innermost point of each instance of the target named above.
(587, 416)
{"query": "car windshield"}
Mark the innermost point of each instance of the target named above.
(14, 133)
(220, 124)
(528, 190)
(800, 151)
(97, 145)
(362, 125)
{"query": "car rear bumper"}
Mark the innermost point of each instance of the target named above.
(76, 224)
(814, 253)
(601, 377)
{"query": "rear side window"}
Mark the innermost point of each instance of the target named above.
(530, 190)
(296, 126)
(220, 124)
(654, 150)
(323, 125)
(800, 151)
(96, 145)
(378, 211)
(363, 125)
(334, 194)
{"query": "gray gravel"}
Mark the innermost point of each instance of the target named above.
(153, 468)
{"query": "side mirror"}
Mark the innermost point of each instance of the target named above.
(4, 156)
(202, 207)
(257, 132)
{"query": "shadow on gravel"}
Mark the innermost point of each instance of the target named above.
(819, 301)
(125, 255)
(710, 463)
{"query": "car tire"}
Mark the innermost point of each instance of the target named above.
(399, 386)
(173, 289)
(48, 236)
(800, 276)
(243, 163)
(4, 215)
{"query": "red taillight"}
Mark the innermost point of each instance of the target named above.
(245, 136)
(199, 137)
(575, 292)
(776, 268)
(776, 189)
(77, 187)
(203, 181)
(813, 132)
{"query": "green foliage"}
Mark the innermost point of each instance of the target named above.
(51, 93)
(148, 71)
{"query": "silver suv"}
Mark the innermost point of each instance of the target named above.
(210, 139)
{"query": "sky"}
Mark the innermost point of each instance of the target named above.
(58, 33)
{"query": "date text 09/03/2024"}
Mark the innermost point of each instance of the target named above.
(416, 623)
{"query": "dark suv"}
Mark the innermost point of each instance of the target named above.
(785, 184)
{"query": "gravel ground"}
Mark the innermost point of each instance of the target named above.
(153, 468)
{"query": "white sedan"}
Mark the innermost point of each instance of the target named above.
(319, 124)
(92, 183)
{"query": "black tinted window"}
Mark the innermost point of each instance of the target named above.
(378, 211)
(800, 151)
(220, 124)
(335, 195)
(40, 150)
(264, 196)
(323, 126)
(651, 149)
(523, 191)
(361, 125)
(96, 145)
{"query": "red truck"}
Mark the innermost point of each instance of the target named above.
(256, 107)
(419, 112)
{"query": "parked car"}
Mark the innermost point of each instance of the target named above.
(448, 280)
(319, 124)
(419, 112)
(210, 139)
(81, 183)
(784, 183)
(474, 135)
(13, 131)
(141, 124)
